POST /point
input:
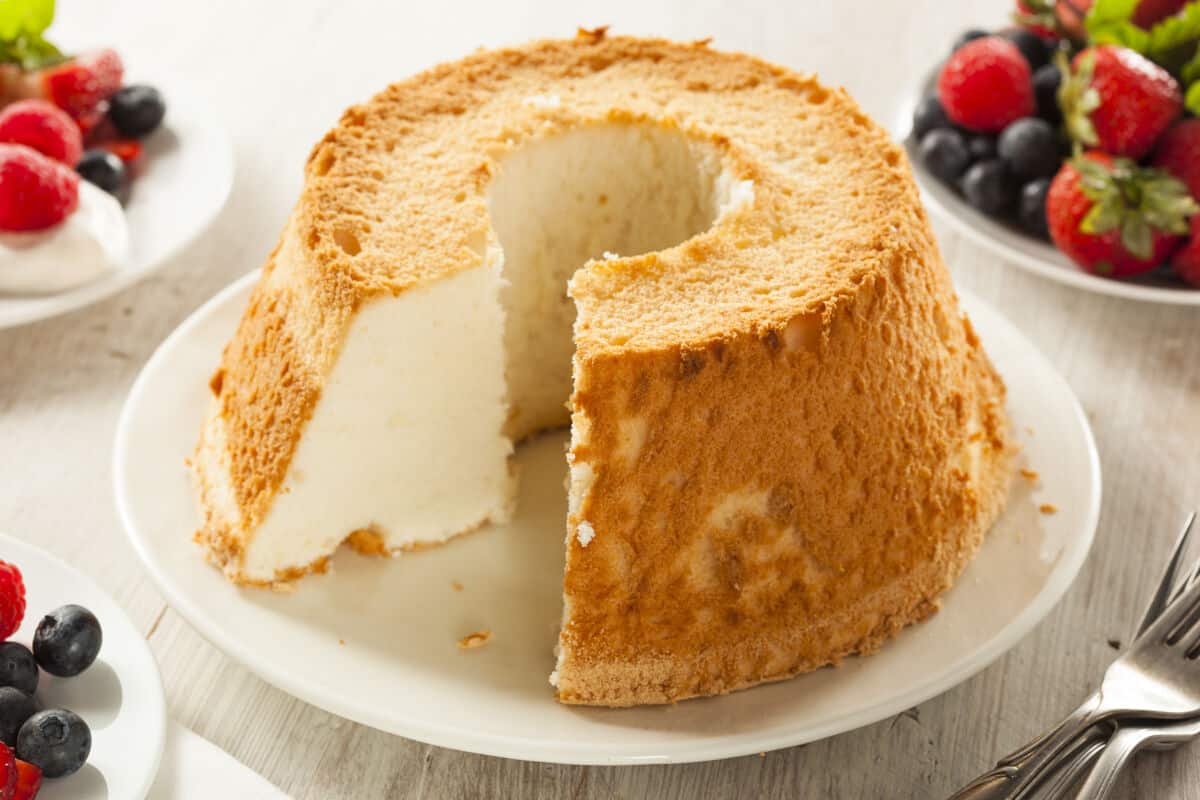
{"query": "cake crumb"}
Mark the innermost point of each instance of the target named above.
(762, 755)
(1031, 474)
(456, 586)
(1048, 508)
(473, 640)
(342, 642)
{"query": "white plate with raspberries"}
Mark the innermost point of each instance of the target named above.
(1068, 149)
(95, 195)
(117, 691)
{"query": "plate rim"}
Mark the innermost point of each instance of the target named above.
(1058, 581)
(70, 300)
(974, 226)
(158, 696)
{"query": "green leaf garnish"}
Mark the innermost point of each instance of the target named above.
(1111, 22)
(22, 23)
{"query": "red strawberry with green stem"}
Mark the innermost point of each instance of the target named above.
(1115, 218)
(1117, 101)
(1178, 152)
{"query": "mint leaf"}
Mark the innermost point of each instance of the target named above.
(24, 18)
(30, 52)
(22, 23)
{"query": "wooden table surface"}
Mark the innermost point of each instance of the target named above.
(278, 74)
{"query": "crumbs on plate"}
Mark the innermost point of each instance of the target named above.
(473, 640)
(456, 586)
(1047, 508)
(1030, 474)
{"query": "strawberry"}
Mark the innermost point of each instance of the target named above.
(79, 86)
(8, 773)
(44, 127)
(35, 193)
(12, 599)
(29, 781)
(1115, 218)
(1178, 152)
(986, 84)
(1117, 100)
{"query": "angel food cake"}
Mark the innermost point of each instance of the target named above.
(786, 440)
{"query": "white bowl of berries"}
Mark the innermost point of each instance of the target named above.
(1069, 144)
(82, 711)
(102, 179)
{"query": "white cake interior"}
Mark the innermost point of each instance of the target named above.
(412, 434)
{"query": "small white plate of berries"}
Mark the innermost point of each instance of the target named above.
(82, 713)
(1069, 143)
(102, 178)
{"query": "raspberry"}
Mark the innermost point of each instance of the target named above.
(12, 599)
(82, 84)
(44, 127)
(35, 192)
(986, 84)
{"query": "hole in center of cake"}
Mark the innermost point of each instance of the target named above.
(600, 192)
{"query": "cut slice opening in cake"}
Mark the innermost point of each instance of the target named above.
(421, 453)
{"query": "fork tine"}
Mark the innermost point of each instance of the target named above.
(1176, 619)
(1166, 591)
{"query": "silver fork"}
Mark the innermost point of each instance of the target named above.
(1027, 767)
(1124, 744)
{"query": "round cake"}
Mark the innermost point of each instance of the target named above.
(786, 440)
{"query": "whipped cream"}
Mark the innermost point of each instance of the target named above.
(92, 241)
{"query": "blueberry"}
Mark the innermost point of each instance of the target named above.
(56, 741)
(990, 187)
(944, 153)
(136, 110)
(981, 147)
(1030, 148)
(103, 169)
(968, 35)
(67, 641)
(1032, 210)
(15, 708)
(1045, 87)
(929, 115)
(1033, 47)
(18, 668)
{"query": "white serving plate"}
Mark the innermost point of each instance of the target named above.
(1009, 243)
(120, 696)
(186, 176)
(375, 640)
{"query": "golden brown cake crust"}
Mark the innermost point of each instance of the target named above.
(821, 441)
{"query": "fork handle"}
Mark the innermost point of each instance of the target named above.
(1026, 766)
(1121, 747)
